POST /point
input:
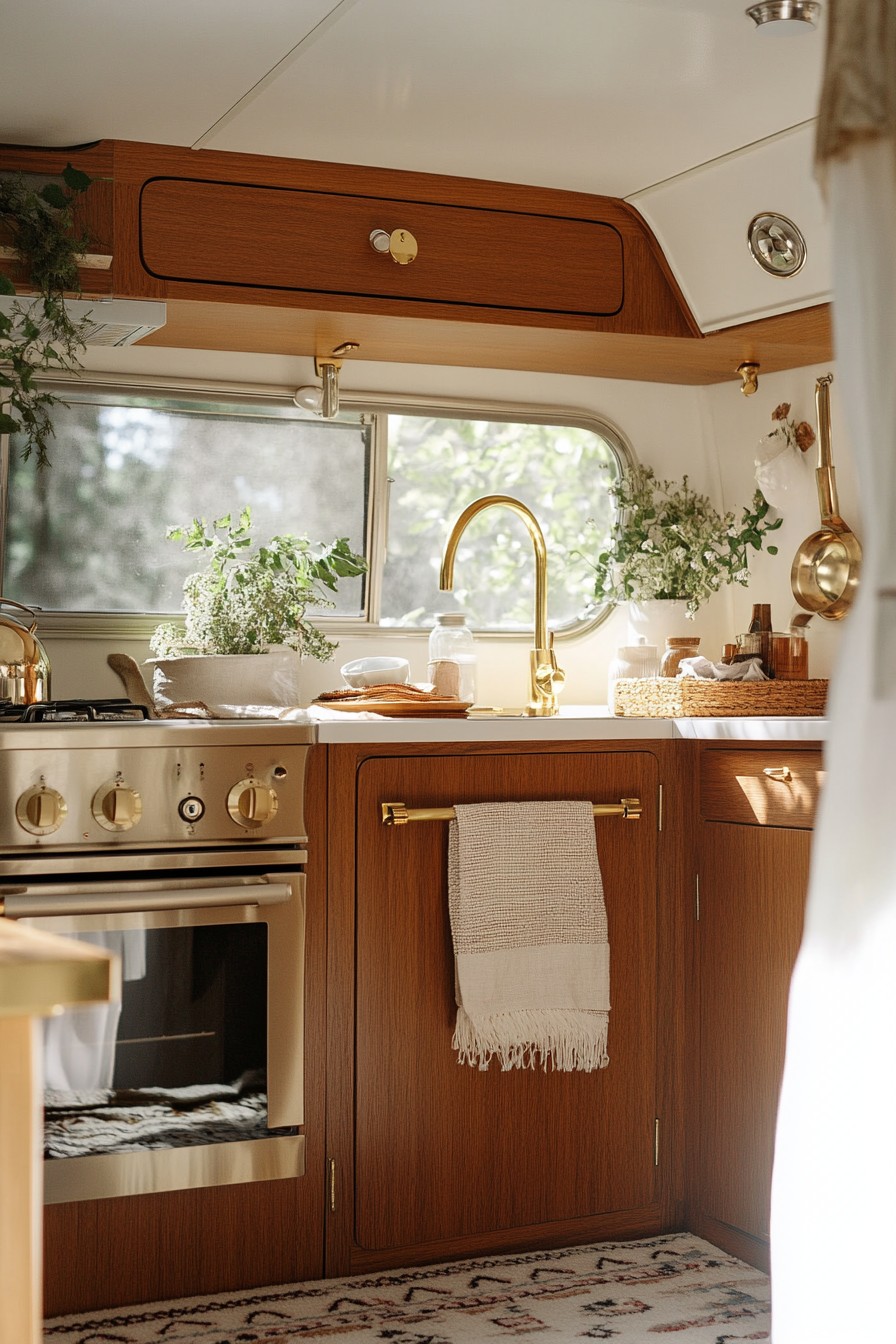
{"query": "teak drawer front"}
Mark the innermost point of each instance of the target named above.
(736, 786)
(269, 237)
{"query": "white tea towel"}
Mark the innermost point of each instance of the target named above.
(749, 670)
(530, 936)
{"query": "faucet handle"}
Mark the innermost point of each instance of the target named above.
(558, 680)
(548, 679)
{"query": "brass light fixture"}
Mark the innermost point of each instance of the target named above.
(324, 400)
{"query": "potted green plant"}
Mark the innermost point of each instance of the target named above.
(671, 544)
(247, 600)
(42, 338)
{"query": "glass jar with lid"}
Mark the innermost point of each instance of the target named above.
(451, 640)
(678, 647)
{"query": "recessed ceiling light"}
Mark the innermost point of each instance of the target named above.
(785, 17)
(776, 244)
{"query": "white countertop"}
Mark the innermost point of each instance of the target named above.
(574, 723)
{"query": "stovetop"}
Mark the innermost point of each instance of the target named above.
(74, 711)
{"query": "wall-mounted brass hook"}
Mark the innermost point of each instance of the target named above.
(749, 372)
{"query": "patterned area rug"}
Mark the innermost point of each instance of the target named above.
(628, 1291)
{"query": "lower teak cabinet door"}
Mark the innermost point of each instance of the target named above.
(752, 894)
(447, 1151)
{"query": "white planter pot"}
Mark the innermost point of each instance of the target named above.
(221, 679)
(658, 619)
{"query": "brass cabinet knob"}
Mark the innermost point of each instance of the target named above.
(40, 810)
(403, 246)
(252, 803)
(400, 244)
(116, 806)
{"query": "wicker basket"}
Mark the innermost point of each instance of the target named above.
(688, 698)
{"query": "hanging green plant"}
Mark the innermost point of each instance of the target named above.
(39, 338)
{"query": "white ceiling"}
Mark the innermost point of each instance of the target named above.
(606, 96)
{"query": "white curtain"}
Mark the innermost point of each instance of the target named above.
(834, 1187)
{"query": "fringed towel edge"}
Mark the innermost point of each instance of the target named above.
(568, 1039)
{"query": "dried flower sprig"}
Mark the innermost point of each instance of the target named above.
(801, 436)
(670, 542)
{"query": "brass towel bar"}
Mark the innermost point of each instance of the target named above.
(396, 814)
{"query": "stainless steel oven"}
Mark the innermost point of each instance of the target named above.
(196, 1076)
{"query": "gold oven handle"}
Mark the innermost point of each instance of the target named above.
(396, 814)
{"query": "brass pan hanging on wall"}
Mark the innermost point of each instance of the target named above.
(826, 568)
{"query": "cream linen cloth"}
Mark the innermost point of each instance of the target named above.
(532, 961)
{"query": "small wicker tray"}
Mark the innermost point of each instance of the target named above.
(689, 698)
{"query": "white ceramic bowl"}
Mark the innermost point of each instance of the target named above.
(375, 671)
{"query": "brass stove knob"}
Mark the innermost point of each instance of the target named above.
(116, 806)
(40, 810)
(252, 803)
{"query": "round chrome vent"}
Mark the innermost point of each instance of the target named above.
(785, 16)
(776, 244)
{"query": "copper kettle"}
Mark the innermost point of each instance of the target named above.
(24, 663)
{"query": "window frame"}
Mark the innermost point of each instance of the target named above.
(379, 405)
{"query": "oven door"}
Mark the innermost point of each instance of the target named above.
(195, 1077)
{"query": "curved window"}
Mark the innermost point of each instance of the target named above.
(86, 537)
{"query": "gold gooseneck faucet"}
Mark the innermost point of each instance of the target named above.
(545, 677)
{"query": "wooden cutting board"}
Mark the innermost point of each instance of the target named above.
(401, 709)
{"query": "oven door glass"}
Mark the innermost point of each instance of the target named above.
(181, 1060)
(205, 1045)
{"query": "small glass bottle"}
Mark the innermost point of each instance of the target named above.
(678, 647)
(451, 640)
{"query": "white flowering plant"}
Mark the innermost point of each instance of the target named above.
(247, 599)
(670, 542)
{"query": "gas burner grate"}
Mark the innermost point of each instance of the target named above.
(74, 711)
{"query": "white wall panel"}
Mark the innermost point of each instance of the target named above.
(701, 218)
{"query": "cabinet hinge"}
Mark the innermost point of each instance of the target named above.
(659, 808)
(656, 1142)
(697, 896)
(331, 1164)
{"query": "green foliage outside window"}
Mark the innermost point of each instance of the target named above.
(439, 466)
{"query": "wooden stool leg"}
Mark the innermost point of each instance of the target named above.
(21, 1181)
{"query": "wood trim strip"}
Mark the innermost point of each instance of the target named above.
(754, 1250)
(646, 1222)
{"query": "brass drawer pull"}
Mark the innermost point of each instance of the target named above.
(400, 244)
(396, 814)
(780, 773)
